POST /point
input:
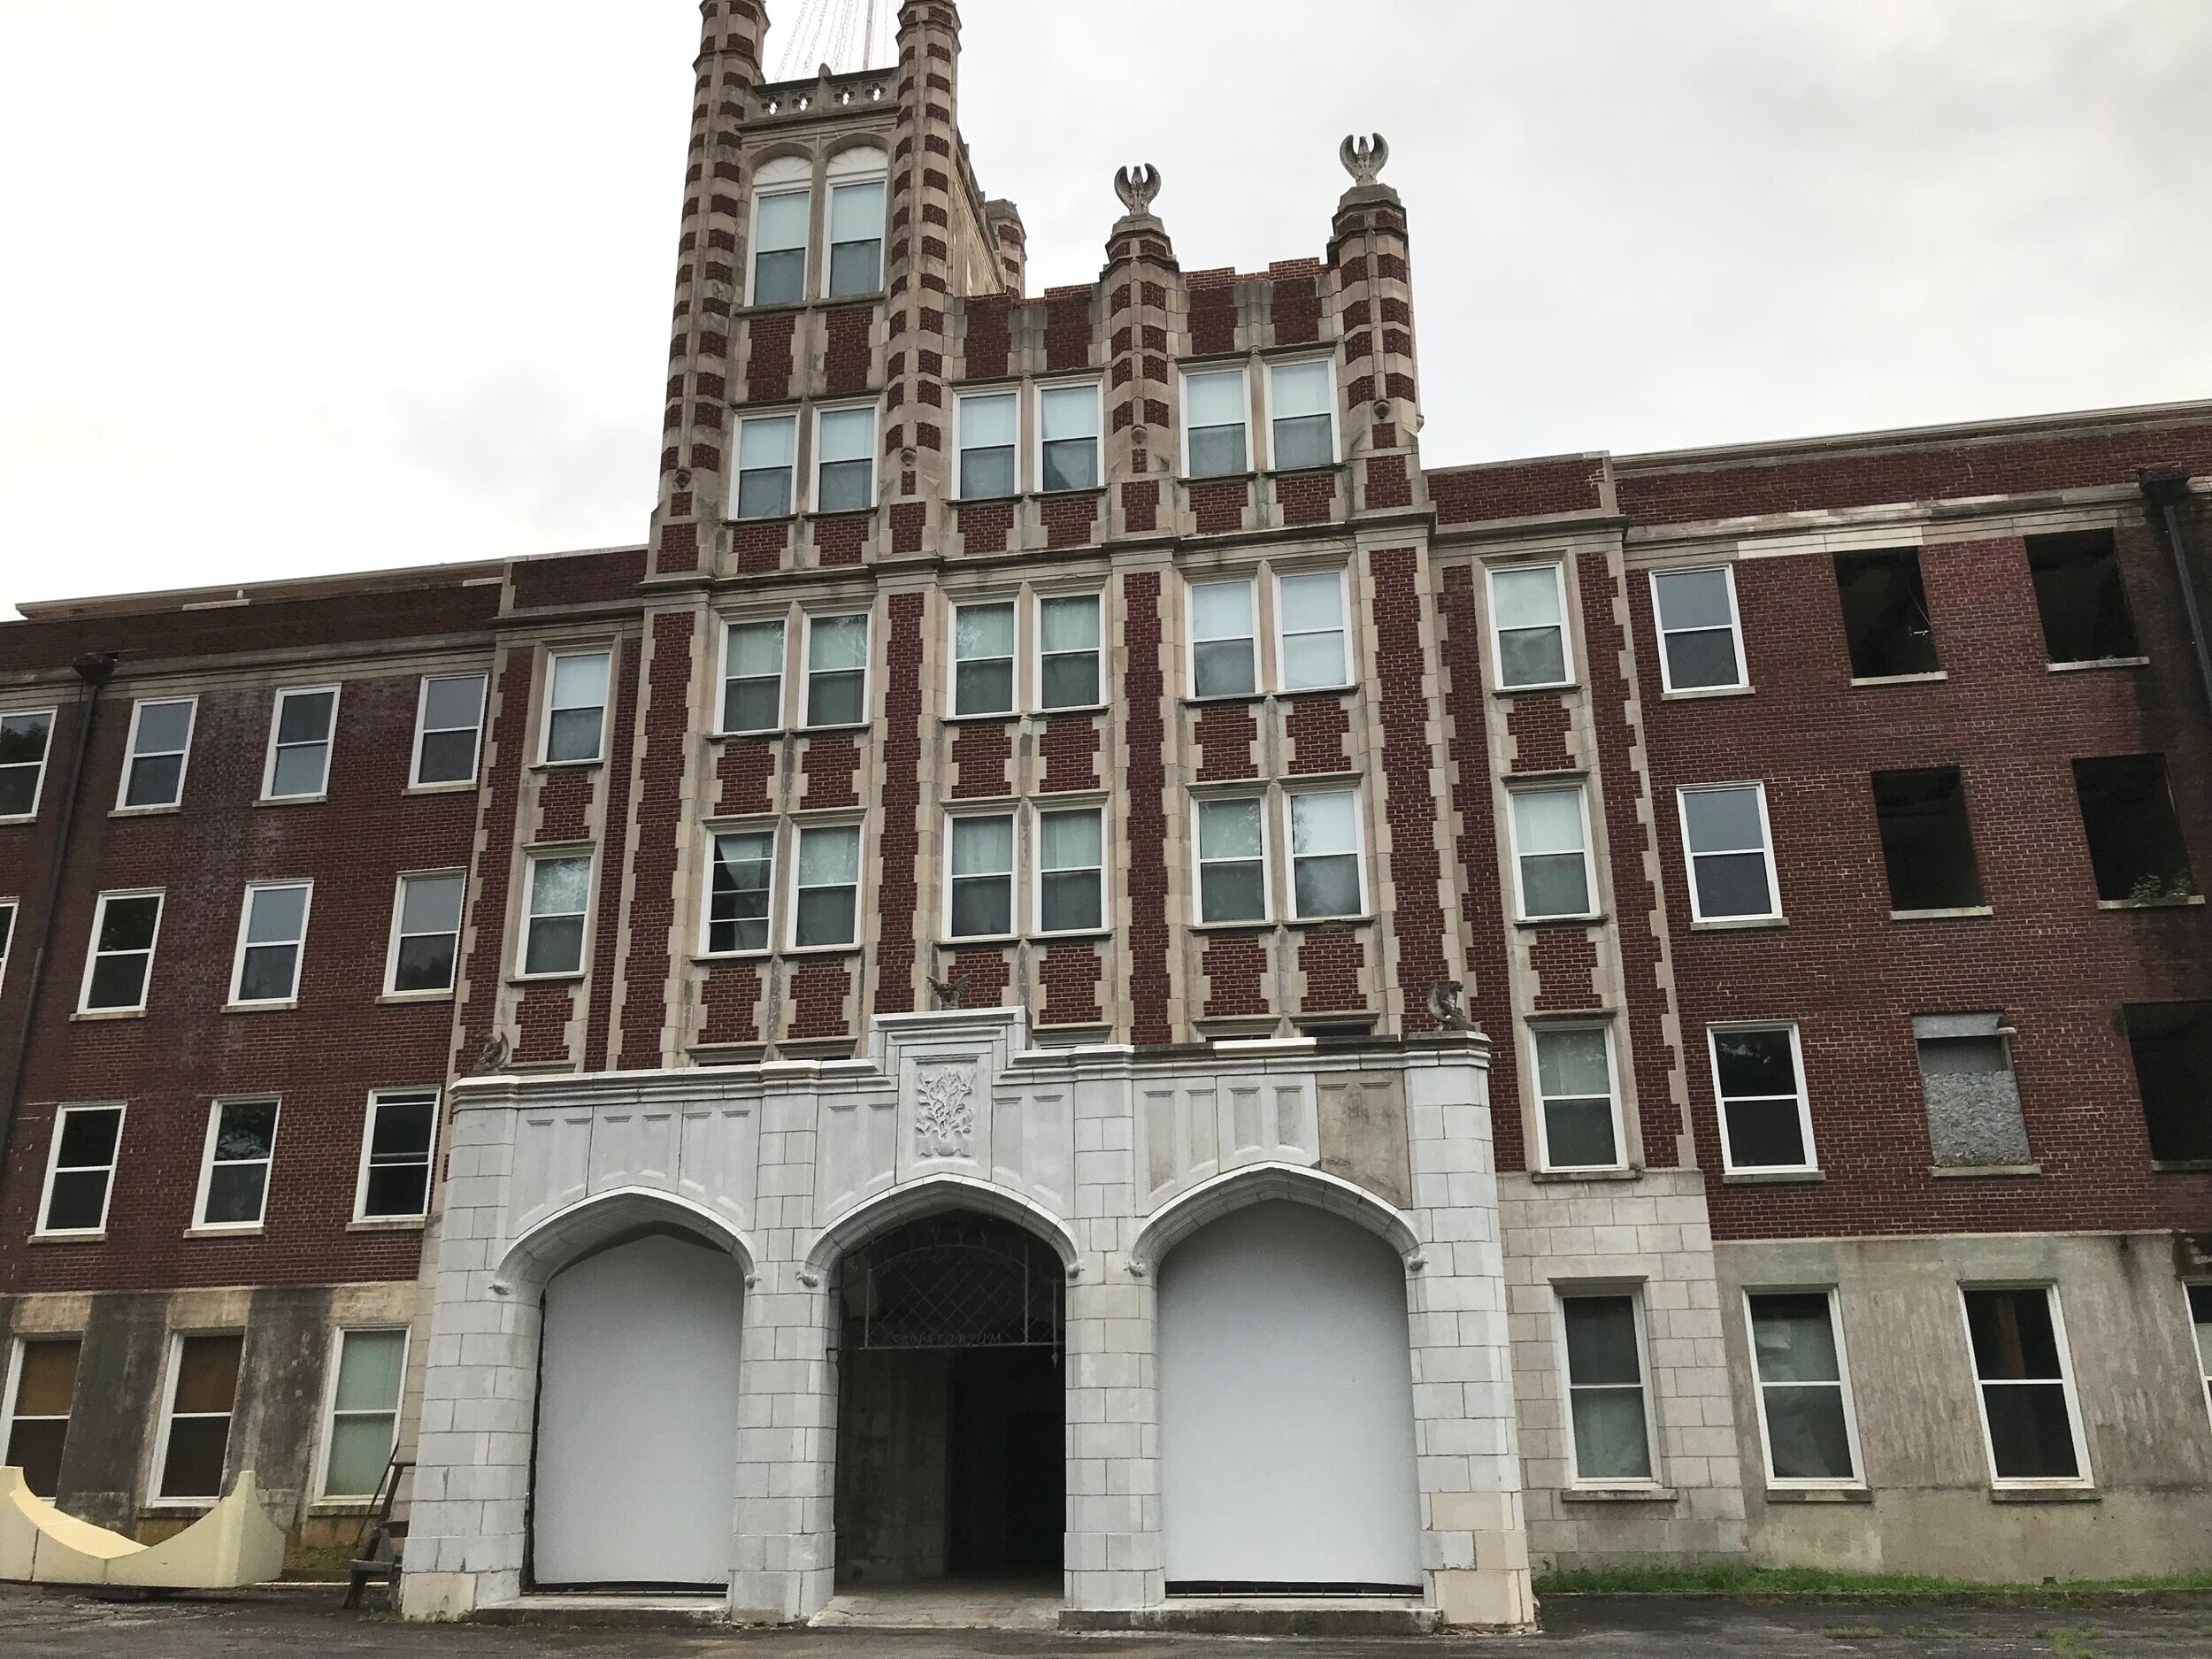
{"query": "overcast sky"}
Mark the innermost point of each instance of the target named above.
(296, 288)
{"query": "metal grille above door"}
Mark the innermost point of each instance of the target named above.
(952, 1282)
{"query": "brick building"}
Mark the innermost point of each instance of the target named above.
(913, 1024)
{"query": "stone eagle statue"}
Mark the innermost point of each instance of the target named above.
(1365, 159)
(1137, 186)
(1446, 1008)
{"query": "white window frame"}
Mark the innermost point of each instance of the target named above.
(1742, 681)
(39, 1229)
(1548, 1025)
(1098, 435)
(399, 911)
(328, 1427)
(1037, 653)
(11, 1386)
(1689, 859)
(773, 831)
(11, 918)
(200, 1223)
(834, 182)
(1051, 806)
(961, 400)
(299, 945)
(1558, 568)
(1242, 370)
(2086, 1478)
(1581, 792)
(531, 859)
(1013, 816)
(1011, 604)
(330, 743)
(1266, 917)
(1267, 410)
(1812, 1165)
(156, 1499)
(860, 888)
(45, 762)
(93, 953)
(762, 191)
(2201, 1361)
(867, 670)
(415, 784)
(368, 1142)
(875, 457)
(130, 757)
(724, 679)
(1563, 1292)
(1192, 583)
(1279, 634)
(1857, 1480)
(1291, 854)
(790, 469)
(553, 659)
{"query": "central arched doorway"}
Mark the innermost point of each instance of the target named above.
(951, 1418)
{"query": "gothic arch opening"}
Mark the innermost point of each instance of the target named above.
(951, 1420)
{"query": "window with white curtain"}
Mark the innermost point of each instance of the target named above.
(1699, 646)
(1067, 437)
(856, 232)
(1216, 414)
(752, 677)
(1072, 870)
(1300, 410)
(845, 460)
(983, 659)
(1224, 658)
(1805, 1416)
(990, 438)
(1312, 645)
(1579, 1104)
(1528, 627)
(1607, 1399)
(1551, 849)
(783, 217)
(826, 909)
(1731, 854)
(1232, 860)
(1325, 875)
(767, 450)
(980, 871)
(364, 1414)
(1070, 674)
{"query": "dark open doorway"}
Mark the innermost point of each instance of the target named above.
(952, 1406)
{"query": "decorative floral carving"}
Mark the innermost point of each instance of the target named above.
(944, 1121)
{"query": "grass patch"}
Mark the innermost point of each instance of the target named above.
(1756, 1582)
(1854, 1632)
(2073, 1642)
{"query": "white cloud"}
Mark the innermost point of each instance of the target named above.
(297, 288)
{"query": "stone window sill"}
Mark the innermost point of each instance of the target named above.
(254, 1232)
(100, 1237)
(1699, 694)
(2045, 1494)
(568, 765)
(1739, 923)
(1562, 1178)
(2151, 905)
(2092, 663)
(292, 800)
(1618, 1495)
(2180, 1166)
(387, 1224)
(525, 980)
(289, 1005)
(1595, 918)
(1774, 1178)
(1959, 913)
(1819, 1494)
(1878, 680)
(466, 786)
(412, 999)
(95, 1014)
(1559, 690)
(169, 810)
(1983, 1172)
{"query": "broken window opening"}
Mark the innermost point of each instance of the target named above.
(2171, 1043)
(2082, 597)
(1927, 843)
(2135, 841)
(1975, 1119)
(1886, 614)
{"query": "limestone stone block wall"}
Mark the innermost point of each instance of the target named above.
(1647, 1236)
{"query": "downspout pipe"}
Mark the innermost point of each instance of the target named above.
(93, 674)
(2166, 489)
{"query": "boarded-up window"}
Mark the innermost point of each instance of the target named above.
(38, 1418)
(203, 1392)
(1974, 1119)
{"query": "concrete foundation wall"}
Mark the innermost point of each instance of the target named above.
(107, 1471)
(1930, 1505)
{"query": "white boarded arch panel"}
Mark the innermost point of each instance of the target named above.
(1287, 1435)
(637, 1417)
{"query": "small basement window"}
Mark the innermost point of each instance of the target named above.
(2081, 597)
(1885, 615)
(1927, 842)
(1973, 1100)
(2173, 1046)
(2134, 836)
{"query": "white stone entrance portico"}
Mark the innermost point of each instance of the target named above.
(1109, 1156)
